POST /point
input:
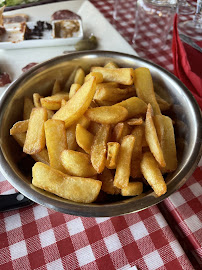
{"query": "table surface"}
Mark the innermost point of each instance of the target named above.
(165, 236)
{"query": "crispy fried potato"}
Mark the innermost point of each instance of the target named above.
(78, 189)
(111, 65)
(112, 154)
(97, 75)
(150, 170)
(35, 137)
(144, 88)
(133, 189)
(54, 102)
(36, 100)
(134, 105)
(138, 133)
(56, 87)
(77, 164)
(121, 178)
(119, 75)
(99, 148)
(79, 76)
(107, 114)
(73, 89)
(152, 138)
(41, 156)
(135, 121)
(107, 179)
(19, 127)
(28, 106)
(120, 131)
(78, 104)
(56, 142)
(84, 138)
(165, 132)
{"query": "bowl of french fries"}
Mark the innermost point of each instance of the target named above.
(98, 133)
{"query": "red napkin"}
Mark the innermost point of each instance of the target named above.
(187, 65)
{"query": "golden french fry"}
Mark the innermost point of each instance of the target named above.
(114, 94)
(41, 156)
(101, 103)
(73, 89)
(78, 104)
(135, 121)
(36, 100)
(56, 87)
(107, 179)
(54, 102)
(84, 138)
(111, 65)
(112, 154)
(77, 164)
(28, 106)
(133, 189)
(165, 132)
(97, 75)
(150, 170)
(152, 138)
(134, 105)
(56, 142)
(99, 148)
(120, 131)
(121, 178)
(19, 127)
(107, 114)
(35, 137)
(93, 127)
(79, 76)
(78, 189)
(119, 75)
(138, 133)
(144, 88)
(63, 102)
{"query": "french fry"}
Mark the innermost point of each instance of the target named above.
(111, 65)
(19, 127)
(35, 137)
(84, 138)
(107, 179)
(120, 131)
(77, 164)
(165, 132)
(99, 148)
(150, 170)
(135, 121)
(79, 76)
(54, 102)
(133, 189)
(121, 178)
(138, 133)
(93, 127)
(56, 87)
(71, 137)
(144, 88)
(73, 89)
(119, 75)
(163, 104)
(78, 104)
(134, 105)
(28, 106)
(77, 189)
(36, 100)
(152, 138)
(112, 154)
(41, 156)
(56, 142)
(107, 114)
(97, 75)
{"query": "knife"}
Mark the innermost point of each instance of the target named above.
(190, 42)
(13, 201)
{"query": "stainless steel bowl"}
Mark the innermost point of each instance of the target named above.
(40, 78)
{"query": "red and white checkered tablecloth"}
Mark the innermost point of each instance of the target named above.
(166, 236)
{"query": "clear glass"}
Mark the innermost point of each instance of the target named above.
(154, 19)
(185, 8)
(193, 28)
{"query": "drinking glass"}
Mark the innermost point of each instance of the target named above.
(154, 19)
(193, 28)
(185, 8)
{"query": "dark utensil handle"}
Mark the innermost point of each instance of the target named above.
(13, 201)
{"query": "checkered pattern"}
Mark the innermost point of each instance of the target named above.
(167, 236)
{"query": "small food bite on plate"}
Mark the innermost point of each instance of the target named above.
(89, 142)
